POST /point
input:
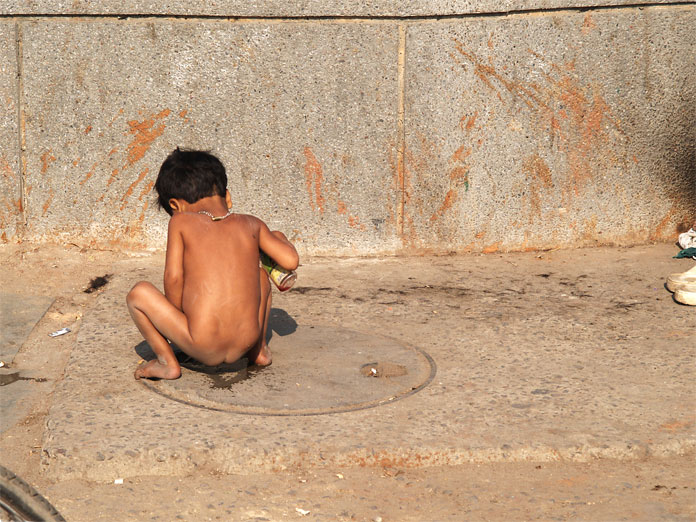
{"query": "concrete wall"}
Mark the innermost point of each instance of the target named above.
(355, 127)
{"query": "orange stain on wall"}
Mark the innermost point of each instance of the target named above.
(461, 153)
(46, 159)
(538, 177)
(144, 134)
(90, 173)
(146, 190)
(470, 121)
(5, 168)
(112, 177)
(48, 202)
(588, 24)
(579, 127)
(314, 178)
(132, 187)
(460, 173)
(450, 199)
(491, 249)
(538, 170)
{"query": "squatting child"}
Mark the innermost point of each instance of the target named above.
(217, 298)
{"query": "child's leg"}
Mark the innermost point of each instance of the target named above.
(156, 318)
(260, 354)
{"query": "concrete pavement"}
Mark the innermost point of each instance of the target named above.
(564, 355)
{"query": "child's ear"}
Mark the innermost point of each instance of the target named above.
(228, 199)
(176, 205)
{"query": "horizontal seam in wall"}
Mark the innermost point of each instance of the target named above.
(341, 18)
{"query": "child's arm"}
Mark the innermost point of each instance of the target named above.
(174, 264)
(276, 245)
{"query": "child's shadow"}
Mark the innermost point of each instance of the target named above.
(279, 322)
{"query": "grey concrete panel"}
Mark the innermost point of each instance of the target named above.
(10, 188)
(303, 115)
(18, 316)
(280, 8)
(550, 130)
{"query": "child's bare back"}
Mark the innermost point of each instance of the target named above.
(216, 298)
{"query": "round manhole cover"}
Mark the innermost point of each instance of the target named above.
(315, 370)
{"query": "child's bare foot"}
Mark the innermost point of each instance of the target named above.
(157, 370)
(263, 358)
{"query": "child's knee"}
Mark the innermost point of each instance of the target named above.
(136, 293)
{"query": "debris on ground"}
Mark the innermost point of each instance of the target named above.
(62, 331)
(97, 283)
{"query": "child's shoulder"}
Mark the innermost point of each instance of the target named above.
(184, 221)
(182, 218)
(249, 218)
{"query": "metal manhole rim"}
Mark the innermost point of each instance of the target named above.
(249, 410)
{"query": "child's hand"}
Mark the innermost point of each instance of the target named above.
(277, 246)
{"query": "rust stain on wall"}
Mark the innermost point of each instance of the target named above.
(676, 214)
(112, 178)
(146, 190)
(48, 202)
(11, 205)
(467, 122)
(46, 159)
(321, 195)
(119, 113)
(458, 176)
(90, 173)
(491, 249)
(590, 231)
(461, 153)
(141, 218)
(6, 170)
(314, 178)
(132, 187)
(418, 165)
(538, 176)
(659, 230)
(538, 170)
(574, 113)
(144, 134)
(588, 24)
(353, 221)
(450, 199)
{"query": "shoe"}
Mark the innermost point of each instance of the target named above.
(685, 297)
(683, 281)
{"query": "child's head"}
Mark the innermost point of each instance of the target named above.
(190, 175)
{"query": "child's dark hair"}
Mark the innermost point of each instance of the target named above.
(190, 175)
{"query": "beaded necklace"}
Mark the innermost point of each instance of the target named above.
(215, 218)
